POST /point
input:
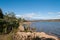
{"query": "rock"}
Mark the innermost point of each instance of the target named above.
(33, 36)
(21, 28)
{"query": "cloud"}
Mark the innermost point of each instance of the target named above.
(59, 15)
(56, 15)
(18, 15)
(50, 12)
(29, 16)
(53, 12)
(36, 16)
(59, 12)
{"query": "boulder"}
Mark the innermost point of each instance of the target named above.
(33, 36)
(21, 28)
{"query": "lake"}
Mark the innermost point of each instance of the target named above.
(47, 27)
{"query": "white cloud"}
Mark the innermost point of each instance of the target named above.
(59, 15)
(18, 15)
(50, 12)
(51, 15)
(59, 12)
(53, 12)
(29, 15)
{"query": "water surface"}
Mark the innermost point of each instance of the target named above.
(48, 27)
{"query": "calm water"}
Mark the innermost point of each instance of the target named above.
(48, 27)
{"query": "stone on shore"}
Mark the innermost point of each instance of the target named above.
(33, 36)
(21, 28)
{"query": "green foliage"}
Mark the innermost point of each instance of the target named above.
(1, 21)
(27, 28)
(8, 22)
(1, 14)
(22, 20)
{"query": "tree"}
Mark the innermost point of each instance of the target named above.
(12, 22)
(1, 14)
(1, 21)
(8, 22)
(10, 16)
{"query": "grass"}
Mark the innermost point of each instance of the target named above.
(8, 36)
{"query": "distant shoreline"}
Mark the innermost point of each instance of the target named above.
(51, 20)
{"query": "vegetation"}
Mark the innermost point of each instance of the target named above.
(8, 22)
(8, 25)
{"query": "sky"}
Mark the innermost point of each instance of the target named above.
(32, 9)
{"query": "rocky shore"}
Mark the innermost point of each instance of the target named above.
(21, 34)
(33, 36)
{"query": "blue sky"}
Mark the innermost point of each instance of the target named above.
(32, 9)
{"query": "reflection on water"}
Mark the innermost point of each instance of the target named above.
(48, 27)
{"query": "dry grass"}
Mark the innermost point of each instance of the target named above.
(8, 36)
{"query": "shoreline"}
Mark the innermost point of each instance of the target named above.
(24, 35)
